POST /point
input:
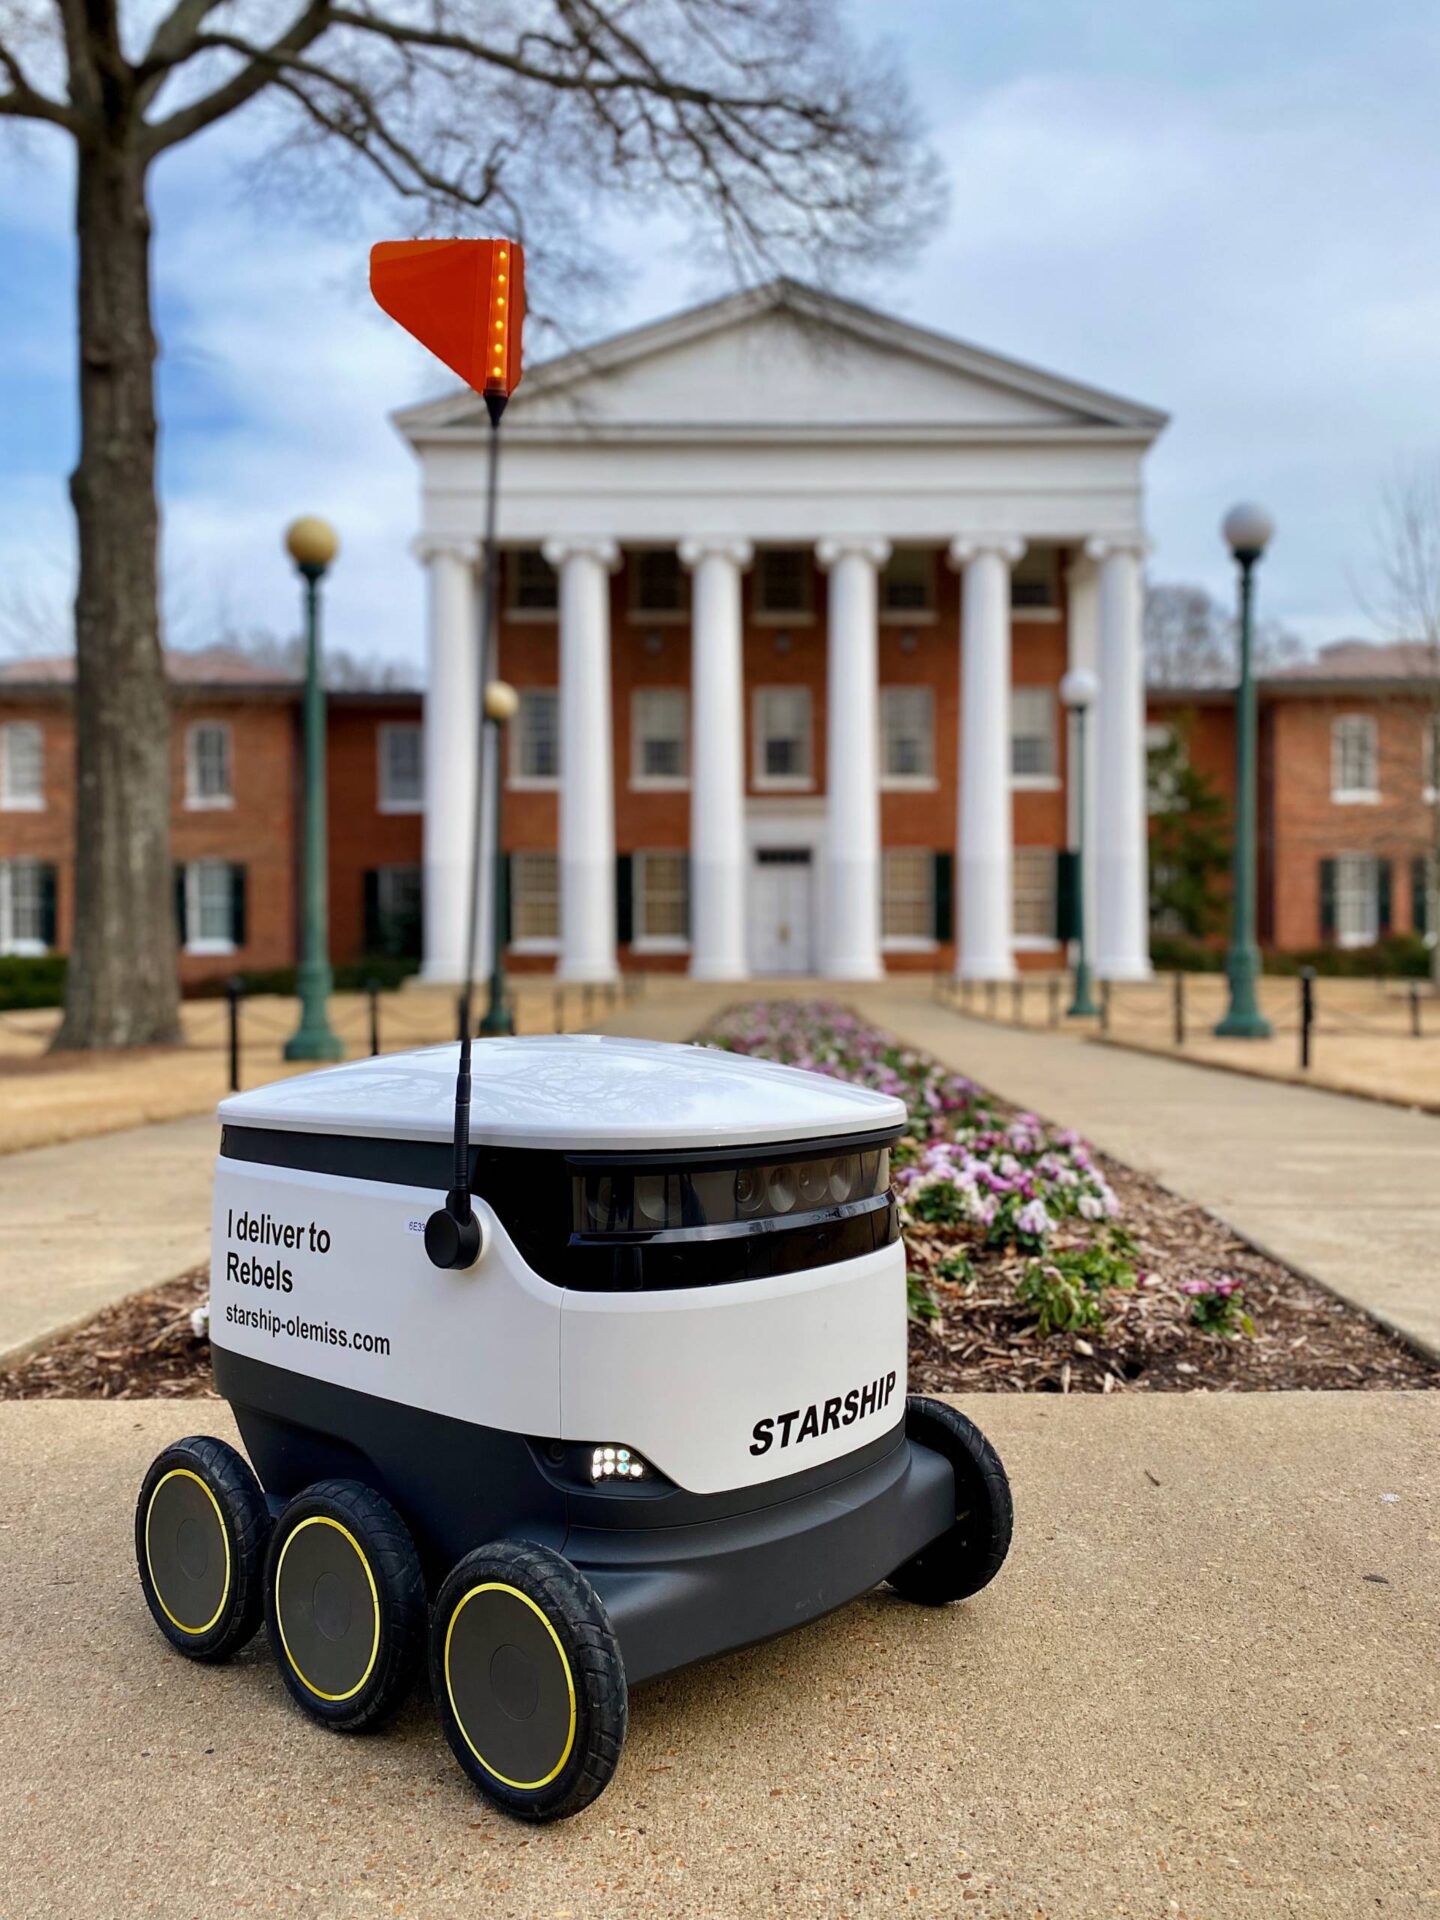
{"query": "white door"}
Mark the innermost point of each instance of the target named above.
(780, 911)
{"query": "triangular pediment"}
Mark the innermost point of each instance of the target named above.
(784, 358)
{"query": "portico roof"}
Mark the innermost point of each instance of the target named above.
(788, 361)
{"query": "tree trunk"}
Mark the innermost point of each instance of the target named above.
(122, 989)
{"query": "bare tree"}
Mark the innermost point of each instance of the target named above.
(1191, 640)
(778, 139)
(1407, 604)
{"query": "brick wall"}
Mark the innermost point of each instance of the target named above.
(363, 835)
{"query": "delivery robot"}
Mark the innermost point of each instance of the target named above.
(632, 1396)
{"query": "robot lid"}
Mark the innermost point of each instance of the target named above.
(572, 1091)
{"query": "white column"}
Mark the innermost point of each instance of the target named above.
(717, 760)
(452, 722)
(985, 827)
(1083, 617)
(851, 947)
(1122, 946)
(587, 782)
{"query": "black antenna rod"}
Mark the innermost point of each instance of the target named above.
(452, 1233)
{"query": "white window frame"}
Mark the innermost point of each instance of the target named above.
(384, 734)
(781, 782)
(533, 943)
(1036, 782)
(908, 942)
(538, 616)
(195, 801)
(922, 616)
(643, 942)
(641, 781)
(28, 946)
(891, 696)
(1350, 885)
(196, 942)
(775, 616)
(1430, 758)
(11, 800)
(657, 616)
(1341, 794)
(1034, 942)
(521, 781)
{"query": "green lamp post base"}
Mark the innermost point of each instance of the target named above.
(1243, 1019)
(314, 1038)
(1083, 1006)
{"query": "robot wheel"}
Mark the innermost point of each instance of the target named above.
(528, 1679)
(201, 1524)
(969, 1554)
(345, 1605)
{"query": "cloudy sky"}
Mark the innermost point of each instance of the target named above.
(1226, 210)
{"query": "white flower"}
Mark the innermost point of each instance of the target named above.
(200, 1321)
(1091, 1207)
(1033, 1220)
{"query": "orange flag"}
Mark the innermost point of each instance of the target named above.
(463, 299)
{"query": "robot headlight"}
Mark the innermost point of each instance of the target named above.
(645, 1200)
(616, 1463)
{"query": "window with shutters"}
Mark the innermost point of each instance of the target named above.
(209, 907)
(1035, 582)
(207, 765)
(783, 584)
(658, 584)
(1357, 900)
(1354, 758)
(23, 910)
(1430, 758)
(22, 766)
(907, 898)
(534, 585)
(402, 767)
(534, 902)
(662, 901)
(535, 738)
(782, 737)
(659, 742)
(1032, 737)
(1033, 896)
(396, 926)
(907, 737)
(907, 585)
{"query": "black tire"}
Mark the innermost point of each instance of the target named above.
(528, 1680)
(968, 1555)
(345, 1605)
(201, 1524)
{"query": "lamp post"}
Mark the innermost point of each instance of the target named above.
(502, 703)
(313, 544)
(1247, 530)
(1077, 691)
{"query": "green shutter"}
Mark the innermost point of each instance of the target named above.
(237, 904)
(181, 929)
(1383, 892)
(1067, 889)
(1327, 899)
(49, 920)
(625, 898)
(685, 883)
(944, 891)
(506, 900)
(1419, 894)
(374, 937)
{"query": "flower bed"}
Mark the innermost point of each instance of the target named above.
(1035, 1263)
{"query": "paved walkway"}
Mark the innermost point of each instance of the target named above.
(1347, 1190)
(84, 1224)
(1204, 1684)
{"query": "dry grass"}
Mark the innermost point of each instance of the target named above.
(46, 1098)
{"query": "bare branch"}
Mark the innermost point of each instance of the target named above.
(22, 101)
(241, 87)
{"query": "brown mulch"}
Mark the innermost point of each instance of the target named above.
(1305, 1339)
(141, 1349)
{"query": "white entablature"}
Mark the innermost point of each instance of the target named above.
(784, 416)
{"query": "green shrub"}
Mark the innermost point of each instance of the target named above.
(355, 976)
(31, 982)
(920, 1301)
(1059, 1299)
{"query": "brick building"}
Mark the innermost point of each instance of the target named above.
(236, 785)
(1347, 759)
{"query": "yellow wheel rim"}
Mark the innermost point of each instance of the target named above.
(502, 1586)
(324, 1520)
(185, 1473)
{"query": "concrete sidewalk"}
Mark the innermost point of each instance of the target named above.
(1347, 1190)
(1205, 1684)
(87, 1222)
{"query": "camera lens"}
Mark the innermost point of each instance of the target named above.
(781, 1188)
(815, 1183)
(749, 1190)
(650, 1199)
(842, 1178)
